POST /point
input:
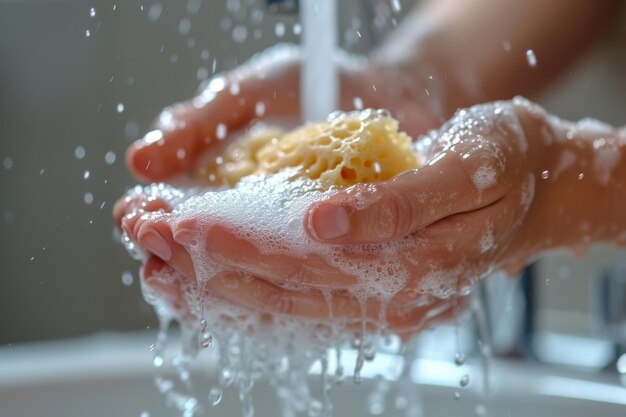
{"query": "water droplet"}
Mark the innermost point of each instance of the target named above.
(92, 12)
(506, 45)
(227, 377)
(220, 131)
(131, 130)
(531, 58)
(396, 6)
(87, 33)
(88, 198)
(457, 395)
(155, 12)
(259, 109)
(465, 380)
(459, 359)
(110, 157)
(8, 163)
(279, 29)
(127, 278)
(215, 396)
(144, 414)
(158, 361)
(180, 154)
(120, 107)
(184, 26)
(193, 6)
(581, 176)
(297, 29)
(358, 103)
(204, 55)
(545, 174)
(240, 33)
(79, 152)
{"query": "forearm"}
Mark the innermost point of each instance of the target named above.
(477, 48)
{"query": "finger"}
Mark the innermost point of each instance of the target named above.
(266, 297)
(227, 104)
(286, 269)
(128, 204)
(411, 201)
(155, 236)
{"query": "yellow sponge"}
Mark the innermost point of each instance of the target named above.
(350, 148)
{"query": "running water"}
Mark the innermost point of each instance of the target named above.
(320, 79)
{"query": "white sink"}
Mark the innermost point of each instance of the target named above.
(112, 375)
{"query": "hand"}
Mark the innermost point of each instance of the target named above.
(461, 217)
(268, 88)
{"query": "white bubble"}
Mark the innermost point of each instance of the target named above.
(531, 58)
(127, 278)
(180, 153)
(220, 131)
(8, 163)
(297, 29)
(87, 33)
(358, 103)
(545, 174)
(120, 107)
(279, 29)
(92, 12)
(184, 26)
(88, 198)
(240, 33)
(396, 6)
(155, 12)
(79, 152)
(204, 55)
(191, 43)
(110, 157)
(86, 174)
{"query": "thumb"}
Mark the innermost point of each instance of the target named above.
(385, 211)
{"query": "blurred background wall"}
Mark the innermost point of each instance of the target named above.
(81, 79)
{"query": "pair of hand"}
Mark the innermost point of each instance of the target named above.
(472, 208)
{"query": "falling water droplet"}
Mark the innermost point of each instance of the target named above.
(120, 107)
(127, 278)
(110, 157)
(215, 396)
(459, 359)
(465, 380)
(279, 29)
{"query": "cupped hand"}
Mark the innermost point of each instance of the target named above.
(461, 216)
(266, 88)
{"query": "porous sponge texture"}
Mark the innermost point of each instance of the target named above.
(350, 148)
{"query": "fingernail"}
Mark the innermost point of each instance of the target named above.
(154, 242)
(185, 237)
(329, 221)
